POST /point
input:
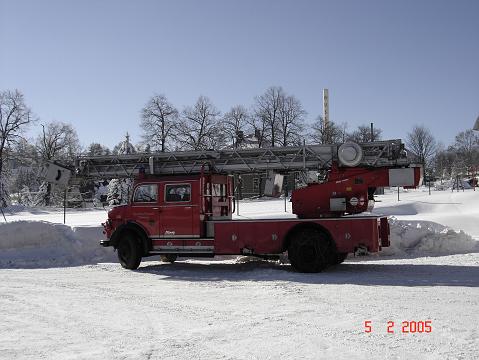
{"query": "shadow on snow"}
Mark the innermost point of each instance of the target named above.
(344, 274)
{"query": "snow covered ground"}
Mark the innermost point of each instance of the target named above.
(62, 296)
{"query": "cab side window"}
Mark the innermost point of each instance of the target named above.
(177, 193)
(146, 193)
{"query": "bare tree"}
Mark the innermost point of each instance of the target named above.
(58, 140)
(327, 134)
(291, 123)
(198, 128)
(267, 110)
(444, 160)
(14, 118)
(422, 143)
(24, 160)
(467, 148)
(235, 123)
(363, 134)
(260, 127)
(96, 149)
(158, 120)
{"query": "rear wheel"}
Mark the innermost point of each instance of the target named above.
(310, 250)
(129, 252)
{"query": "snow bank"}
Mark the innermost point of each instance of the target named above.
(43, 244)
(452, 184)
(427, 238)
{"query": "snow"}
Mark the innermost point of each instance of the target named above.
(457, 210)
(74, 217)
(427, 238)
(63, 296)
(42, 244)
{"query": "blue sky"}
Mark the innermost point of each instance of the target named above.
(96, 63)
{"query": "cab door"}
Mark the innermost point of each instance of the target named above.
(176, 210)
(145, 207)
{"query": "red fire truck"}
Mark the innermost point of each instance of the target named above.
(182, 203)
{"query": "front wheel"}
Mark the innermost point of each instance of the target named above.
(310, 250)
(129, 252)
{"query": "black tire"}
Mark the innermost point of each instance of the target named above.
(339, 258)
(310, 250)
(129, 252)
(171, 258)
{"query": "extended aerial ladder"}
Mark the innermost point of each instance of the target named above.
(389, 153)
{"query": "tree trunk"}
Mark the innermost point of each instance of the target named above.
(163, 135)
(2, 147)
(3, 201)
(48, 194)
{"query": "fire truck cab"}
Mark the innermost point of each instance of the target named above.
(171, 215)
